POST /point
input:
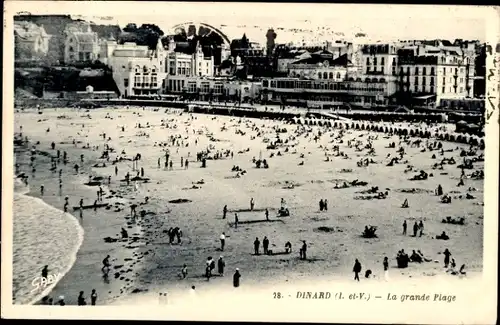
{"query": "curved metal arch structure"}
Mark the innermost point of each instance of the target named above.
(216, 30)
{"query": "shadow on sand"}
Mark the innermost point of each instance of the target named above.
(246, 222)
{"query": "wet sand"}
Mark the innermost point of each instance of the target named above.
(333, 236)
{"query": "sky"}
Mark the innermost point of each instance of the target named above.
(320, 21)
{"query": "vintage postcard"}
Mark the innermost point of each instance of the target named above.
(250, 162)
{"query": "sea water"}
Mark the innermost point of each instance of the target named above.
(42, 235)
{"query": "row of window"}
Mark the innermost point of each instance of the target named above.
(145, 70)
(326, 75)
(432, 71)
(82, 56)
(424, 88)
(145, 82)
(311, 84)
(382, 61)
(178, 85)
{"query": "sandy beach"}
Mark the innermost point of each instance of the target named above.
(146, 263)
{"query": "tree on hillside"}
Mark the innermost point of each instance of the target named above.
(130, 28)
(152, 28)
(146, 34)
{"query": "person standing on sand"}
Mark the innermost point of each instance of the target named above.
(386, 269)
(93, 297)
(61, 302)
(405, 225)
(220, 266)
(235, 220)
(41, 189)
(304, 250)
(267, 214)
(356, 269)
(106, 265)
(252, 204)
(447, 255)
(265, 245)
(236, 278)
(321, 205)
(256, 245)
(81, 299)
(116, 170)
(222, 241)
(415, 229)
(325, 204)
(45, 272)
(208, 270)
(421, 226)
(224, 212)
(184, 271)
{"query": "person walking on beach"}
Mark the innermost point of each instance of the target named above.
(220, 266)
(421, 226)
(236, 278)
(265, 245)
(447, 255)
(256, 245)
(106, 265)
(252, 204)
(93, 297)
(222, 241)
(325, 204)
(81, 299)
(405, 225)
(321, 205)
(356, 269)
(386, 269)
(224, 212)
(235, 220)
(267, 214)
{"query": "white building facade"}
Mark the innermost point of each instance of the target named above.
(181, 64)
(443, 75)
(137, 70)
